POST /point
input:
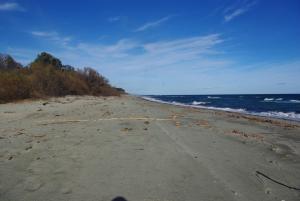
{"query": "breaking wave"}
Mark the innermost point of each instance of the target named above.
(197, 104)
(280, 100)
(213, 97)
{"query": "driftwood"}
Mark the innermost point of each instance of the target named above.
(277, 182)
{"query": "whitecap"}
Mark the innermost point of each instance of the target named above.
(295, 101)
(280, 115)
(275, 114)
(198, 103)
(213, 97)
(268, 99)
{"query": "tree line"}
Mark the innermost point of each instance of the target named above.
(47, 77)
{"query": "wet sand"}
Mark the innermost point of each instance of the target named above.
(94, 149)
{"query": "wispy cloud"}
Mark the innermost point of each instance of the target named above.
(128, 62)
(11, 6)
(153, 24)
(132, 55)
(237, 10)
(52, 35)
(114, 19)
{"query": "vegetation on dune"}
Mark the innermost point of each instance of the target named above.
(46, 77)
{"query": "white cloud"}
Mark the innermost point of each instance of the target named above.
(131, 55)
(43, 34)
(138, 66)
(237, 10)
(9, 6)
(153, 24)
(114, 19)
(53, 36)
(127, 61)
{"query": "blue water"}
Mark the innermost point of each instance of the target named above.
(285, 106)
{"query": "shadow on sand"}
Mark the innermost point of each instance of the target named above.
(119, 198)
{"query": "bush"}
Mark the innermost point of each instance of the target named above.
(14, 86)
(47, 77)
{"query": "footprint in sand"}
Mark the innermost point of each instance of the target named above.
(28, 147)
(268, 191)
(32, 184)
(66, 189)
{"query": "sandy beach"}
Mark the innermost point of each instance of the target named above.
(96, 149)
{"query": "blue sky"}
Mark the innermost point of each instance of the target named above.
(164, 47)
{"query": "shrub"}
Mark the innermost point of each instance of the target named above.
(46, 77)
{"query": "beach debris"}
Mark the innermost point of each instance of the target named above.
(107, 113)
(10, 157)
(9, 112)
(29, 147)
(45, 103)
(258, 174)
(29, 141)
(20, 132)
(242, 134)
(145, 129)
(39, 136)
(202, 123)
(126, 129)
(146, 122)
(280, 123)
(177, 124)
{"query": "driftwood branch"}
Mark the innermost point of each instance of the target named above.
(277, 182)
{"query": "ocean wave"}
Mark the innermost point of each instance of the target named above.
(240, 110)
(213, 97)
(153, 99)
(227, 109)
(268, 99)
(295, 101)
(161, 101)
(280, 100)
(279, 115)
(199, 103)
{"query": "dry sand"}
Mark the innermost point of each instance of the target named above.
(94, 149)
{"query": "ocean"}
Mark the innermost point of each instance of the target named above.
(283, 106)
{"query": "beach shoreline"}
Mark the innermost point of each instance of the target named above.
(98, 148)
(289, 116)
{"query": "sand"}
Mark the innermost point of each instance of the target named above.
(94, 149)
